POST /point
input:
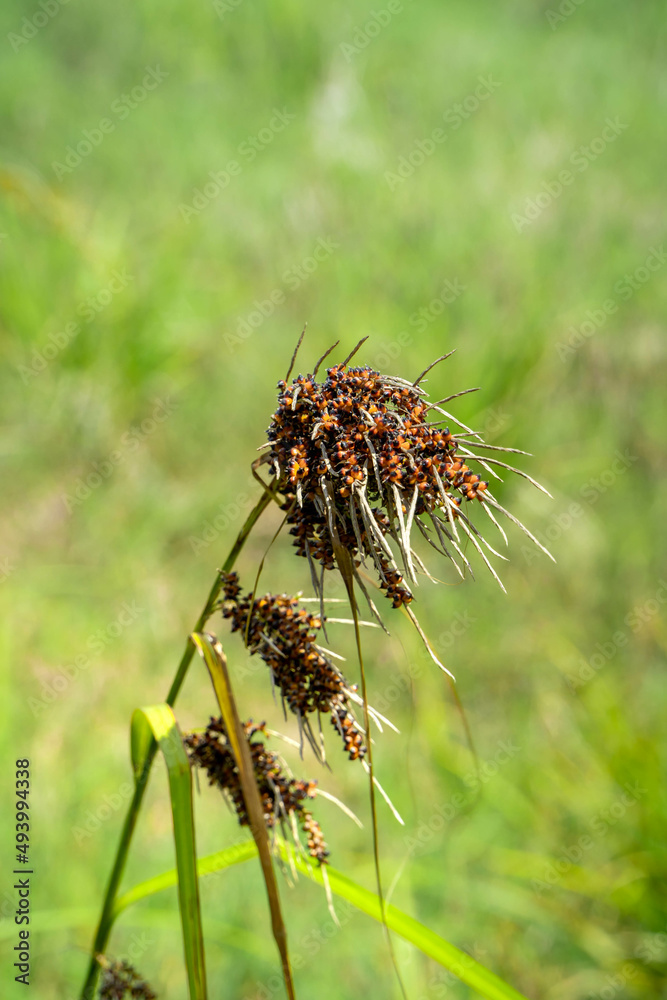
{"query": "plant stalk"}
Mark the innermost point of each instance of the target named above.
(141, 780)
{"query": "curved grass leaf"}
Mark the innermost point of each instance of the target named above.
(458, 962)
(158, 722)
(205, 866)
(64, 921)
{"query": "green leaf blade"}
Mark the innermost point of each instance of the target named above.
(462, 965)
(459, 963)
(157, 722)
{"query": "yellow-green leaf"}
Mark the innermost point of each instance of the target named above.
(486, 983)
(158, 722)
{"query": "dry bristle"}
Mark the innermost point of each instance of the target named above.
(324, 356)
(432, 365)
(355, 350)
(296, 351)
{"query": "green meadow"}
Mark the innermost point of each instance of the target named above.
(182, 188)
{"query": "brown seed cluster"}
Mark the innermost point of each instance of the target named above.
(284, 634)
(347, 451)
(121, 980)
(282, 797)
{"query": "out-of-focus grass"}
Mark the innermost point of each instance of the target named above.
(477, 868)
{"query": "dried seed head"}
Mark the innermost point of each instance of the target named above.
(358, 462)
(120, 980)
(284, 634)
(283, 797)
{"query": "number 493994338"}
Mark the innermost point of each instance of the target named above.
(22, 809)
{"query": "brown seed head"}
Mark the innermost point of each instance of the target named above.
(121, 980)
(282, 797)
(358, 463)
(363, 439)
(284, 635)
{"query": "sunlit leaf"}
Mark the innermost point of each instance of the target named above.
(458, 962)
(159, 722)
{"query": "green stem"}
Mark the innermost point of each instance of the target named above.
(107, 916)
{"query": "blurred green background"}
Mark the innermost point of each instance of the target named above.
(147, 310)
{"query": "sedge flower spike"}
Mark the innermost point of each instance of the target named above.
(284, 635)
(120, 981)
(282, 796)
(356, 459)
